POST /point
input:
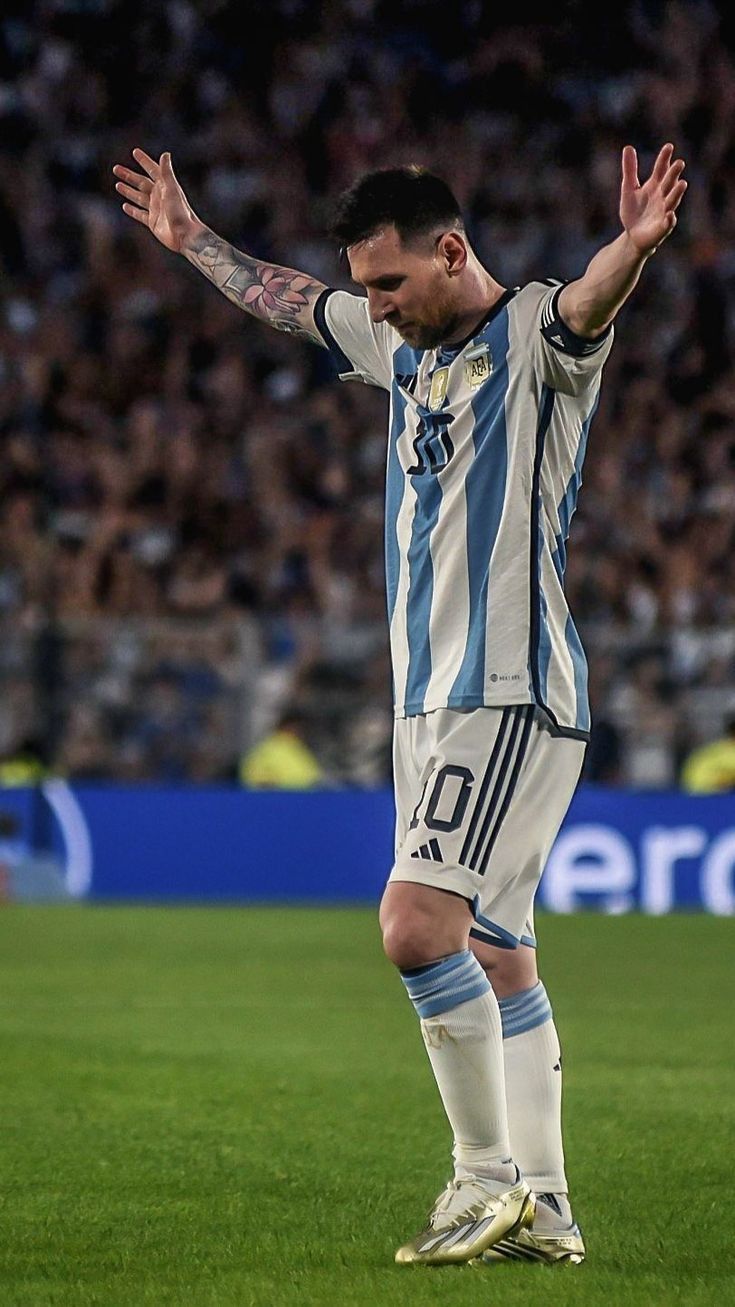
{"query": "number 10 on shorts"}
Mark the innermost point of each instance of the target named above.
(447, 805)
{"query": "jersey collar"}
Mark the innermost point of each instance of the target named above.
(450, 351)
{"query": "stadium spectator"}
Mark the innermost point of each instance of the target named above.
(283, 760)
(710, 769)
(159, 477)
(22, 765)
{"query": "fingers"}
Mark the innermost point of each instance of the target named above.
(665, 175)
(132, 193)
(167, 169)
(148, 164)
(630, 168)
(140, 215)
(133, 178)
(671, 177)
(663, 160)
(675, 196)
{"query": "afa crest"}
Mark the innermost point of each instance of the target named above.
(478, 364)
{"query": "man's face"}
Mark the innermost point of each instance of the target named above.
(407, 286)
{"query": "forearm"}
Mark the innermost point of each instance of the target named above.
(589, 304)
(279, 296)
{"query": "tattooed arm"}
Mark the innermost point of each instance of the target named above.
(280, 296)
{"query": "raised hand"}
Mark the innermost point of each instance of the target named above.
(648, 212)
(282, 297)
(156, 200)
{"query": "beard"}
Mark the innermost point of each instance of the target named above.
(431, 331)
(424, 335)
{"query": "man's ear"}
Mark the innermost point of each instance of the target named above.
(452, 251)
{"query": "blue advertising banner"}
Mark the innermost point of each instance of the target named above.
(616, 852)
(650, 851)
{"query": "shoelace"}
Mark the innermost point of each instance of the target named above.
(455, 1199)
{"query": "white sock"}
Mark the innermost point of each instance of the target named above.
(552, 1213)
(533, 1087)
(461, 1026)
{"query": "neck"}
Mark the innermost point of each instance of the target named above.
(480, 292)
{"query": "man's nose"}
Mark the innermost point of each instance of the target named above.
(381, 306)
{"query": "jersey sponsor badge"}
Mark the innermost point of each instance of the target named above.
(478, 364)
(438, 389)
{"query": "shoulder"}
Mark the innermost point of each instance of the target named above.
(340, 307)
(533, 293)
(532, 306)
(361, 348)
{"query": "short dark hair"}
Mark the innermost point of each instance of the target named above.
(411, 199)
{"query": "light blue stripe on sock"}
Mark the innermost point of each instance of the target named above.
(444, 985)
(521, 1012)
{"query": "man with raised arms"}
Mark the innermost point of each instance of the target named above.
(492, 394)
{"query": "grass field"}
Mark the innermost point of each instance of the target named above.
(231, 1108)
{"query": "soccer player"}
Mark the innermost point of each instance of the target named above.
(492, 394)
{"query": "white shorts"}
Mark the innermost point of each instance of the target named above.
(480, 797)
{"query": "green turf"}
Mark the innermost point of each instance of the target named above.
(229, 1107)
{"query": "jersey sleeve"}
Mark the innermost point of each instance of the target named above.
(362, 349)
(565, 361)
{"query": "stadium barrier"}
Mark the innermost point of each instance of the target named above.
(616, 852)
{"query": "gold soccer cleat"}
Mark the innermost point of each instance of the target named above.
(564, 1247)
(468, 1217)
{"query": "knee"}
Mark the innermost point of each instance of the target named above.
(421, 924)
(409, 941)
(411, 937)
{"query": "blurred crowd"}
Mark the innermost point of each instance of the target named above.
(191, 507)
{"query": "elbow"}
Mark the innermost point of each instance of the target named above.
(587, 325)
(581, 314)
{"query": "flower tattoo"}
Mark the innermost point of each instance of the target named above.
(278, 291)
(276, 295)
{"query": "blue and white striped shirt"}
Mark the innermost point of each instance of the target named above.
(486, 445)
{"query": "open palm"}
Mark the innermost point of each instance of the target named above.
(648, 211)
(156, 199)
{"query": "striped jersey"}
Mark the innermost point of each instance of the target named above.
(486, 443)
